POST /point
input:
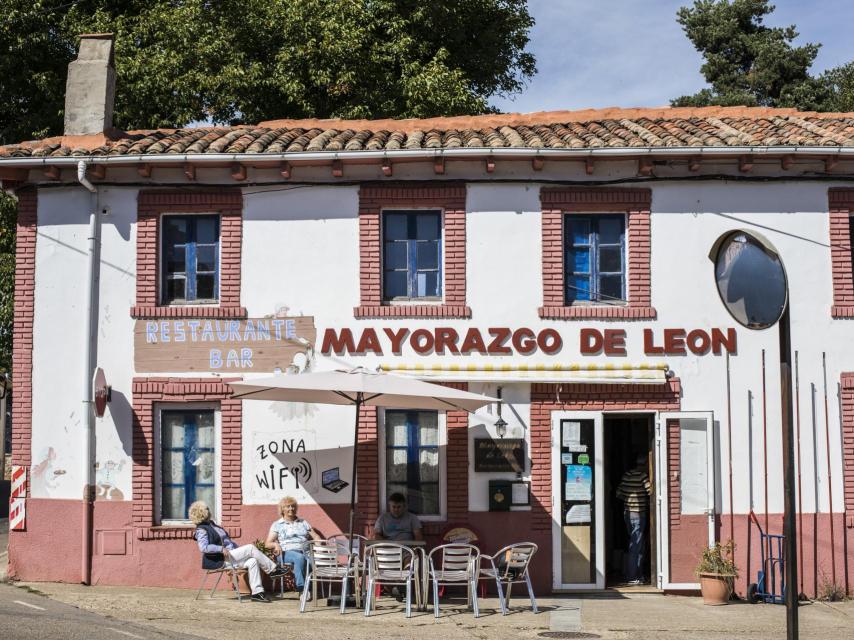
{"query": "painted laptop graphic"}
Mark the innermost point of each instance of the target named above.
(332, 481)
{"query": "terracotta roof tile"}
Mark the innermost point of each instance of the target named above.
(607, 128)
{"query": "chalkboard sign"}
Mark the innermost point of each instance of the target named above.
(507, 454)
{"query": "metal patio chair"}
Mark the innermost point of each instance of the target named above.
(232, 572)
(509, 566)
(389, 563)
(357, 550)
(454, 564)
(289, 574)
(325, 566)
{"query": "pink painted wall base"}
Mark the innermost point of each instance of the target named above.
(50, 549)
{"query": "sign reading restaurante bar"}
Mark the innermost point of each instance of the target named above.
(524, 341)
(258, 344)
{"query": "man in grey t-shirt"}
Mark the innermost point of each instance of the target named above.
(397, 524)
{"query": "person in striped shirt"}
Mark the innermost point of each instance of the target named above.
(634, 490)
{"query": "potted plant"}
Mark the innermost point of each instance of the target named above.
(717, 573)
(243, 578)
(261, 545)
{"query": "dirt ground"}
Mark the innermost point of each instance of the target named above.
(611, 616)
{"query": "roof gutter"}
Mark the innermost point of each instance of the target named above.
(403, 154)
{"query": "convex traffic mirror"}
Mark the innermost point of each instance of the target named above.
(751, 279)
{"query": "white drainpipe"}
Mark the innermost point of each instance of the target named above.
(89, 351)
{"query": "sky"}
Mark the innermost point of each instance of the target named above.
(633, 53)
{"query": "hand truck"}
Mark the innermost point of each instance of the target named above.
(770, 585)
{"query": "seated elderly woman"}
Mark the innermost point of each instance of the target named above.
(288, 537)
(219, 550)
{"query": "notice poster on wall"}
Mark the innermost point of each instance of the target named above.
(571, 433)
(579, 483)
(578, 514)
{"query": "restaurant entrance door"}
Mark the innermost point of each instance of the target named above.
(686, 494)
(590, 453)
(578, 533)
(629, 448)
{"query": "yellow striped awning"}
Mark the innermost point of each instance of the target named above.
(605, 373)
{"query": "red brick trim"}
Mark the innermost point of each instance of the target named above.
(841, 205)
(151, 204)
(412, 311)
(848, 445)
(177, 533)
(368, 470)
(674, 481)
(546, 398)
(452, 200)
(146, 393)
(142, 312)
(457, 460)
(22, 351)
(556, 203)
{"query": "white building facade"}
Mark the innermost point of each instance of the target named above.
(573, 280)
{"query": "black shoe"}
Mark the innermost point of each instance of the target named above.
(260, 597)
(278, 572)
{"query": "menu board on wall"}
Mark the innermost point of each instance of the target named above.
(223, 345)
(507, 454)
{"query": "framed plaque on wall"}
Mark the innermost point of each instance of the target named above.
(507, 454)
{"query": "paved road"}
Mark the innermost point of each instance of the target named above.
(25, 615)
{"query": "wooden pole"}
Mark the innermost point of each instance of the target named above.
(729, 451)
(829, 471)
(765, 441)
(798, 459)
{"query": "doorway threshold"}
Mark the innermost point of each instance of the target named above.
(615, 590)
(635, 588)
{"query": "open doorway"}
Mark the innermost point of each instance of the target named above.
(628, 445)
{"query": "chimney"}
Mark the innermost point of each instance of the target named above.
(91, 87)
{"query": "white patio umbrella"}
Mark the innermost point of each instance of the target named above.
(358, 387)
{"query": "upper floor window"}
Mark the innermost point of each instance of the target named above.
(594, 248)
(188, 461)
(190, 259)
(412, 255)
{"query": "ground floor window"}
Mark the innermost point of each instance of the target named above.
(412, 460)
(187, 461)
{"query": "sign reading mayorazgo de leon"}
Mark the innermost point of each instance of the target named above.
(198, 344)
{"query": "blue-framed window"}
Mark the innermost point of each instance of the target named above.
(188, 461)
(190, 259)
(594, 258)
(412, 255)
(412, 459)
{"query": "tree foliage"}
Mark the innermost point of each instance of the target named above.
(231, 61)
(8, 210)
(749, 63)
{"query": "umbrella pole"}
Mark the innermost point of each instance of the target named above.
(359, 400)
